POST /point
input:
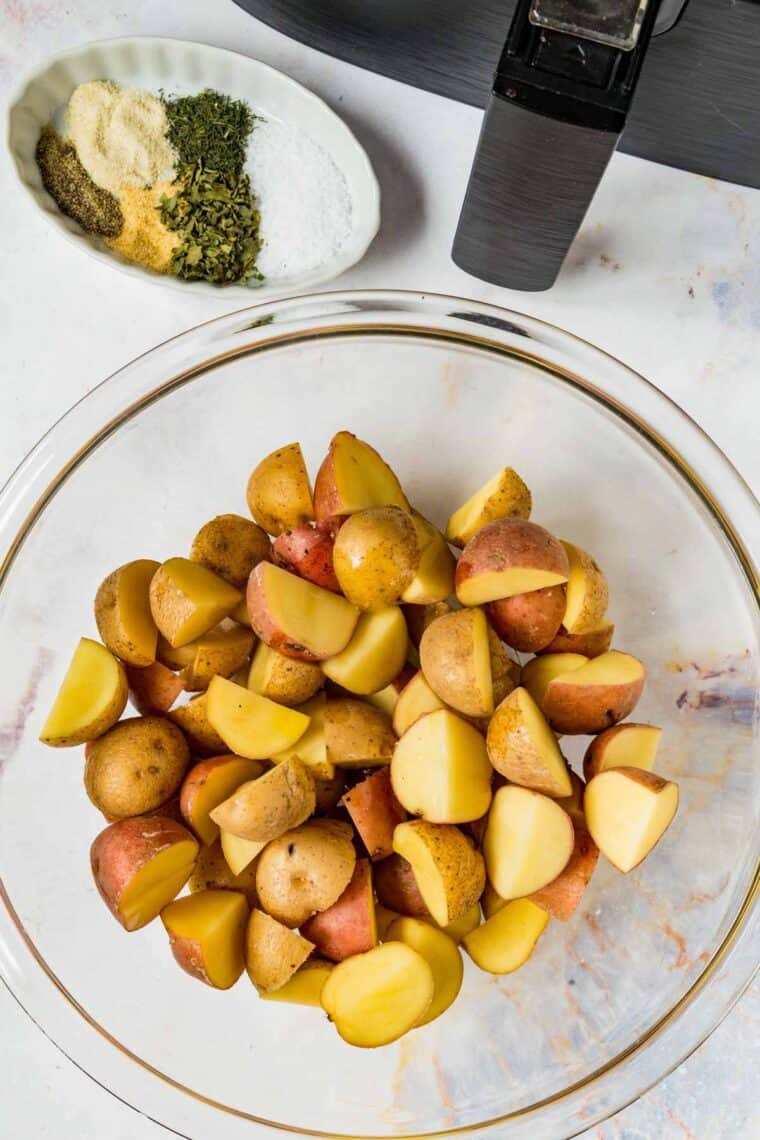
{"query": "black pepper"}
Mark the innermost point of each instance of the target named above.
(74, 192)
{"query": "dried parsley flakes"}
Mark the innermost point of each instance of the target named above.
(209, 128)
(216, 218)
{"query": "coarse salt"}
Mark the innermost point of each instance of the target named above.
(303, 198)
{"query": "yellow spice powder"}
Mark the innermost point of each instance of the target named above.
(144, 238)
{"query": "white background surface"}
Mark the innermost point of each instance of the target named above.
(665, 275)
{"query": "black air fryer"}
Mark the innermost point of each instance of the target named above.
(563, 82)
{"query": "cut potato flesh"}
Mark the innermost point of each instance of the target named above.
(122, 612)
(296, 617)
(279, 493)
(587, 594)
(239, 853)
(440, 769)
(627, 813)
(537, 674)
(503, 496)
(273, 953)
(442, 956)
(491, 902)
(156, 884)
(311, 748)
(221, 651)
(496, 584)
(449, 873)
(528, 841)
(415, 700)
(375, 654)
(623, 746)
(306, 985)
(360, 478)
(434, 579)
(250, 725)
(523, 748)
(187, 600)
(377, 997)
(207, 935)
(506, 940)
(91, 698)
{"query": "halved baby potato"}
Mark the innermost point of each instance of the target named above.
(311, 748)
(507, 939)
(505, 495)
(354, 477)
(187, 600)
(433, 580)
(622, 746)
(595, 696)
(627, 812)
(377, 997)
(465, 664)
(440, 769)
(296, 617)
(91, 698)
(192, 718)
(528, 841)
(357, 734)
(231, 546)
(442, 956)
(153, 689)
(307, 551)
(562, 895)
(208, 784)
(264, 808)
(286, 680)
(273, 952)
(587, 593)
(220, 652)
(349, 926)
(529, 622)
(375, 812)
(375, 654)
(591, 644)
(250, 725)
(139, 865)
(448, 871)
(376, 556)
(523, 748)
(122, 612)
(416, 700)
(207, 935)
(507, 557)
(135, 767)
(305, 870)
(279, 492)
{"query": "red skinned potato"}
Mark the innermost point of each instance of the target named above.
(140, 865)
(354, 477)
(508, 557)
(562, 896)
(308, 552)
(626, 745)
(296, 617)
(375, 811)
(595, 696)
(348, 926)
(396, 888)
(591, 644)
(207, 935)
(153, 689)
(528, 622)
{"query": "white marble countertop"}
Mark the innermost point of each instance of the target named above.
(665, 275)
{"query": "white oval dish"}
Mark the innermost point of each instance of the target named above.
(179, 66)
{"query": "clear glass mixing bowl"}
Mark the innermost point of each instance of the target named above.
(449, 391)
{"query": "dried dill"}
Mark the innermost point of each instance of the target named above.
(209, 128)
(217, 221)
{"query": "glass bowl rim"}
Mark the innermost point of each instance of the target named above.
(29, 489)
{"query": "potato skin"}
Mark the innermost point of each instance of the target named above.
(308, 552)
(591, 644)
(273, 953)
(357, 734)
(447, 652)
(109, 619)
(153, 689)
(279, 493)
(461, 867)
(584, 710)
(124, 847)
(348, 927)
(396, 887)
(276, 802)
(418, 618)
(289, 680)
(529, 622)
(305, 870)
(562, 896)
(329, 792)
(136, 766)
(231, 546)
(376, 555)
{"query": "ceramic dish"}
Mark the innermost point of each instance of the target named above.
(449, 390)
(180, 67)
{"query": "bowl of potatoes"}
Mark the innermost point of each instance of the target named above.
(379, 727)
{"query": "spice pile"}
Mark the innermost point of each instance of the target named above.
(160, 179)
(167, 182)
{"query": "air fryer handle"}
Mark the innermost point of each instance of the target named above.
(558, 105)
